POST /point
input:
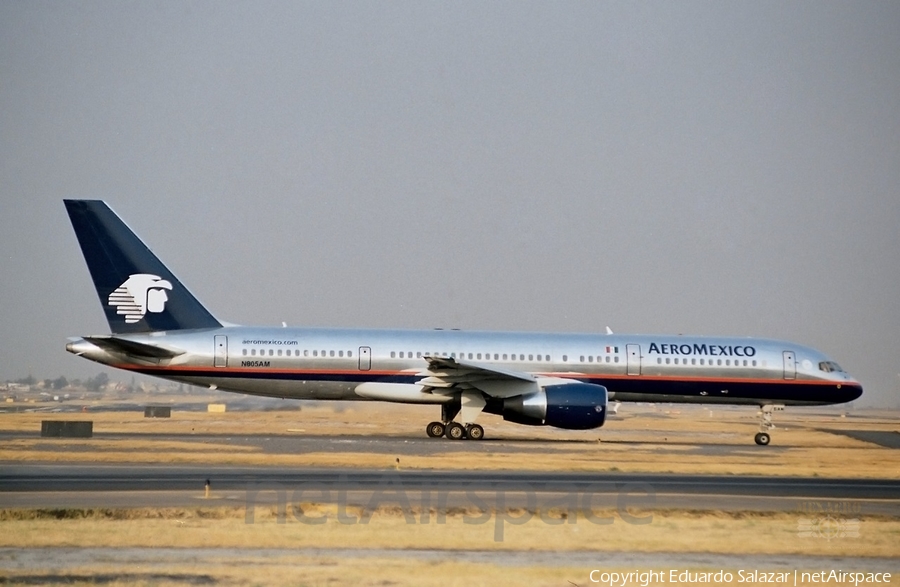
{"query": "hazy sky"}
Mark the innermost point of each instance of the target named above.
(723, 168)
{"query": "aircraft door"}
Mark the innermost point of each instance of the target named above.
(633, 352)
(790, 365)
(365, 358)
(221, 353)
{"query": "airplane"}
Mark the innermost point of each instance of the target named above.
(565, 381)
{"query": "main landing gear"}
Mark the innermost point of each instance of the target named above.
(455, 431)
(468, 406)
(762, 437)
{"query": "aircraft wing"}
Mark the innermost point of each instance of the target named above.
(446, 376)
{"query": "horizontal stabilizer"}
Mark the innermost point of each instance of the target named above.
(132, 348)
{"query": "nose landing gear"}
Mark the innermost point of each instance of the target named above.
(762, 437)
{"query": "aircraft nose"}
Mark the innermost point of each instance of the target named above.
(852, 391)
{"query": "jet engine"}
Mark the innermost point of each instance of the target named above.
(573, 406)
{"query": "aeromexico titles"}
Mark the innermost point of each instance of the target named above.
(563, 380)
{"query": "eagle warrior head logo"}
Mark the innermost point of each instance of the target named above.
(141, 293)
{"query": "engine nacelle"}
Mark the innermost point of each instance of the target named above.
(573, 406)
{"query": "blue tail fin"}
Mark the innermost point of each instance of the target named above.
(137, 292)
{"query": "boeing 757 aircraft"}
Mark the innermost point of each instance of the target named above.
(563, 380)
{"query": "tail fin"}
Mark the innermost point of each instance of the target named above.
(137, 292)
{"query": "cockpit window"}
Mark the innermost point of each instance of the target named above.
(830, 366)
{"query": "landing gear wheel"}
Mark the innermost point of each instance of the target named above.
(762, 438)
(435, 430)
(474, 431)
(455, 431)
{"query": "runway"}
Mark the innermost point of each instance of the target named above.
(69, 485)
(300, 441)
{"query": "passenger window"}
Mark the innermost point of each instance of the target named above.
(659, 360)
(279, 352)
(667, 361)
(252, 352)
(244, 352)
(341, 354)
(590, 359)
(349, 353)
(393, 354)
(271, 352)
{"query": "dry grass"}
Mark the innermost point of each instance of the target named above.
(669, 532)
(319, 571)
(337, 571)
(387, 527)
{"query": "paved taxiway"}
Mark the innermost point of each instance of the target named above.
(71, 485)
(299, 441)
